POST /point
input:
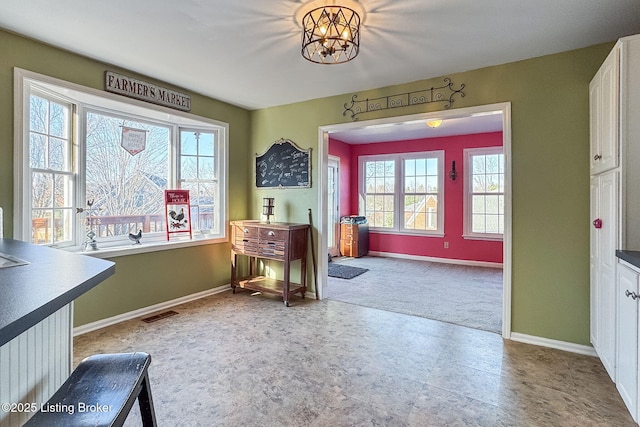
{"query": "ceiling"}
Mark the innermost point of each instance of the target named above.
(247, 52)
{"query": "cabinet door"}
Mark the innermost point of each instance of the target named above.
(604, 113)
(627, 352)
(605, 237)
(594, 259)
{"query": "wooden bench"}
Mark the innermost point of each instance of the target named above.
(100, 392)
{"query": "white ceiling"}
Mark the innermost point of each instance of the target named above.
(247, 52)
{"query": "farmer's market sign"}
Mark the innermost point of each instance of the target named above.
(144, 91)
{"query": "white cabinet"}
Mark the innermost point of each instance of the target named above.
(604, 241)
(614, 102)
(627, 324)
(603, 99)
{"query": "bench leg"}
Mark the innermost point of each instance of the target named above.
(146, 404)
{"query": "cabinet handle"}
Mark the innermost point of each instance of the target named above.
(271, 233)
(631, 294)
(597, 157)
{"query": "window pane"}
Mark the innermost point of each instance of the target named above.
(188, 144)
(432, 166)
(42, 190)
(206, 168)
(127, 190)
(432, 184)
(492, 164)
(206, 146)
(389, 185)
(478, 223)
(479, 184)
(492, 224)
(63, 191)
(42, 233)
(478, 165)
(371, 185)
(492, 204)
(58, 154)
(410, 167)
(493, 183)
(63, 225)
(59, 120)
(38, 114)
(37, 151)
(478, 203)
(189, 167)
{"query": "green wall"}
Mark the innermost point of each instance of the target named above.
(550, 148)
(550, 164)
(145, 279)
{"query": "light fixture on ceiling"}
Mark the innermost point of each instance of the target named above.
(434, 123)
(330, 35)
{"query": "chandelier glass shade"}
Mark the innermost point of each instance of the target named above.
(330, 35)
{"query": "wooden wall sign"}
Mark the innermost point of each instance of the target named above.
(133, 88)
(284, 165)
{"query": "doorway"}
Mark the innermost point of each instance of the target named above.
(333, 205)
(395, 123)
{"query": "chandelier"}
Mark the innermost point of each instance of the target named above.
(330, 35)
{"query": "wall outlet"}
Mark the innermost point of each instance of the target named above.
(446, 245)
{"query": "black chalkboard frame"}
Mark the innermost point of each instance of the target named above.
(265, 164)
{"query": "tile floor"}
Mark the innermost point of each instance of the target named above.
(242, 360)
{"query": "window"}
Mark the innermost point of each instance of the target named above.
(78, 176)
(403, 192)
(484, 193)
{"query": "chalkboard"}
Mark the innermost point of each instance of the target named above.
(284, 165)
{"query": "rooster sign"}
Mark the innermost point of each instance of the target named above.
(177, 207)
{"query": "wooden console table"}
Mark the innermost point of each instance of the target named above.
(278, 241)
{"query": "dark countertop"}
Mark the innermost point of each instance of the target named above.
(632, 257)
(52, 279)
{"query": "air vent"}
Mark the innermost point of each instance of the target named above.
(159, 316)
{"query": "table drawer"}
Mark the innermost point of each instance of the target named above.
(247, 231)
(274, 249)
(248, 246)
(269, 234)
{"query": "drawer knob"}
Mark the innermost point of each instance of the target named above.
(271, 233)
(246, 230)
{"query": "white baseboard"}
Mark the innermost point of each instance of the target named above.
(89, 327)
(586, 350)
(434, 259)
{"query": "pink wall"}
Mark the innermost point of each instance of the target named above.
(343, 150)
(459, 248)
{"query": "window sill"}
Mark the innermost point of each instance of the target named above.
(405, 232)
(118, 250)
(483, 237)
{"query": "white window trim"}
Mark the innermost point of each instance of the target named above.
(23, 79)
(399, 158)
(468, 153)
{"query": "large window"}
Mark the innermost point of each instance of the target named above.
(484, 193)
(403, 192)
(79, 176)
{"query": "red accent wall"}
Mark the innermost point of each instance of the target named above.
(459, 248)
(343, 151)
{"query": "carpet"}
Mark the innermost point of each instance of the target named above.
(342, 271)
(459, 294)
